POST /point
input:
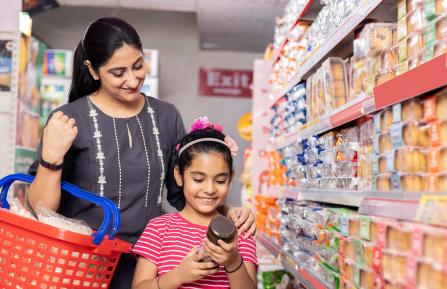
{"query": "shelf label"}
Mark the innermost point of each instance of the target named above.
(364, 227)
(432, 209)
(344, 225)
(417, 241)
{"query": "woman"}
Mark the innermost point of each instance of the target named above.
(113, 140)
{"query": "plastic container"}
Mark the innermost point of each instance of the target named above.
(415, 44)
(36, 255)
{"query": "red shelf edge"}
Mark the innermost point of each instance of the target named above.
(415, 82)
(349, 114)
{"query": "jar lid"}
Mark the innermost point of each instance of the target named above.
(221, 228)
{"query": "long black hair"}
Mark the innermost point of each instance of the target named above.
(102, 38)
(185, 158)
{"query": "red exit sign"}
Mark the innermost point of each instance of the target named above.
(225, 82)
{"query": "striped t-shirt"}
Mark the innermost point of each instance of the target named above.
(169, 238)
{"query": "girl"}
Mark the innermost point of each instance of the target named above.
(168, 251)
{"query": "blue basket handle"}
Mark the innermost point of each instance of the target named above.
(110, 210)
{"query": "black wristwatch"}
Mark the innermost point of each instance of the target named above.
(49, 166)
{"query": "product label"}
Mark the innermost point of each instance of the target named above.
(344, 225)
(401, 9)
(395, 183)
(411, 271)
(357, 276)
(429, 9)
(402, 28)
(403, 55)
(376, 144)
(432, 209)
(432, 183)
(417, 241)
(390, 161)
(377, 124)
(377, 259)
(396, 134)
(430, 108)
(433, 133)
(364, 227)
(379, 283)
(359, 252)
(430, 34)
(433, 160)
(397, 112)
(381, 238)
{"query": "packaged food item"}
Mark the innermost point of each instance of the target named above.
(407, 160)
(378, 37)
(383, 165)
(384, 183)
(390, 58)
(411, 110)
(409, 134)
(415, 21)
(399, 237)
(428, 276)
(394, 268)
(434, 245)
(358, 75)
(441, 27)
(415, 61)
(387, 119)
(385, 76)
(401, 9)
(385, 144)
(335, 82)
(415, 44)
(413, 5)
(437, 132)
(441, 6)
(402, 29)
(441, 105)
(412, 183)
(440, 47)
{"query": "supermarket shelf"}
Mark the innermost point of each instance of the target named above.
(341, 197)
(307, 279)
(309, 12)
(420, 80)
(415, 82)
(341, 38)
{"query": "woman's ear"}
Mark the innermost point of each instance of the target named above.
(178, 177)
(91, 70)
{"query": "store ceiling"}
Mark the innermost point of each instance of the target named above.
(241, 25)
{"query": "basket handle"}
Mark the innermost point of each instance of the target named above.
(110, 210)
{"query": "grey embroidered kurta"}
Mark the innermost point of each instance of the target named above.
(81, 165)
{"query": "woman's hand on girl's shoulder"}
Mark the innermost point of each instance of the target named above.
(245, 220)
(191, 269)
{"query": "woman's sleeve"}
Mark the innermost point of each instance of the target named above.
(175, 195)
(149, 244)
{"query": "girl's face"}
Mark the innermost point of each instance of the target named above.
(122, 76)
(205, 182)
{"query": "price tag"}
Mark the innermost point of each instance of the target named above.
(377, 259)
(432, 209)
(381, 238)
(417, 241)
(364, 227)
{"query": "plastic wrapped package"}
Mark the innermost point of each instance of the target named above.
(378, 37)
(399, 237)
(334, 74)
(437, 132)
(385, 144)
(338, 183)
(415, 61)
(321, 97)
(383, 182)
(412, 183)
(339, 169)
(390, 58)
(385, 76)
(440, 47)
(394, 268)
(358, 76)
(440, 6)
(415, 21)
(407, 160)
(409, 134)
(415, 44)
(430, 276)
(434, 247)
(437, 159)
(413, 5)
(386, 119)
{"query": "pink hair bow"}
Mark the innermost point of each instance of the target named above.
(204, 123)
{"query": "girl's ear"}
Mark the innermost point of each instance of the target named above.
(178, 177)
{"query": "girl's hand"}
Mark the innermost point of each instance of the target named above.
(191, 269)
(58, 137)
(225, 254)
(245, 220)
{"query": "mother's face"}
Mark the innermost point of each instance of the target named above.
(122, 76)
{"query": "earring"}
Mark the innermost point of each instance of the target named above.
(86, 62)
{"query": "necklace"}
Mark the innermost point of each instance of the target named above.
(100, 154)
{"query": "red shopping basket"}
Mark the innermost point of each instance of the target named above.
(37, 255)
